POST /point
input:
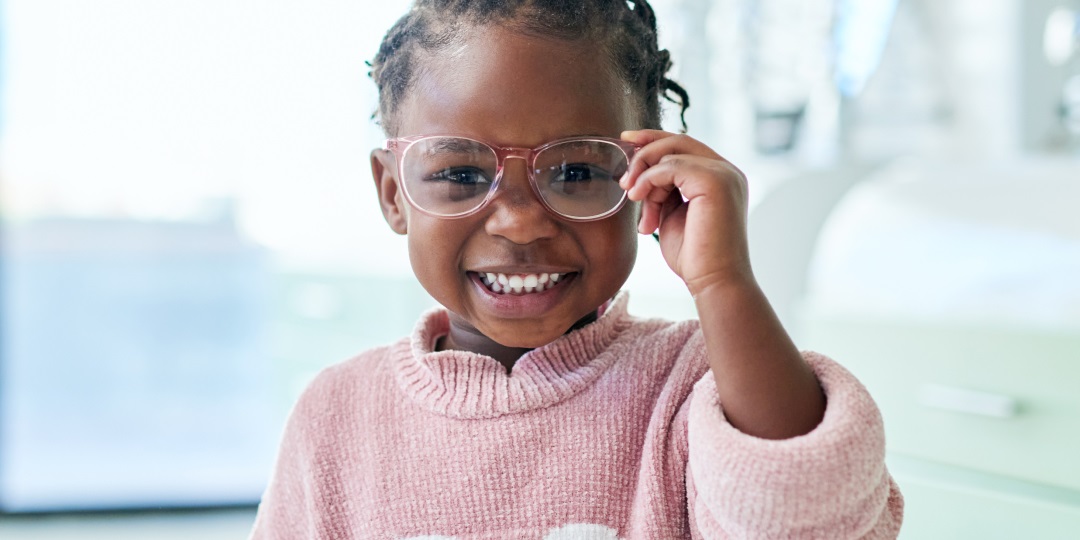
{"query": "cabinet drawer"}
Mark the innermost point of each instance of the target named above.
(941, 501)
(999, 400)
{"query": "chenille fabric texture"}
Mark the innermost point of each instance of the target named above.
(612, 431)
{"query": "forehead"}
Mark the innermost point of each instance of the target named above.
(516, 90)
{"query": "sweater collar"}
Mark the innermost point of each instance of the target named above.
(463, 384)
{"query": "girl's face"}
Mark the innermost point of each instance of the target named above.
(510, 89)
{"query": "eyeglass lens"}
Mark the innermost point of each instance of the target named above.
(578, 178)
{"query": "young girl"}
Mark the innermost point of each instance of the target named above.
(524, 153)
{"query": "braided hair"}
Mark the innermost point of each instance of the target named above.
(625, 28)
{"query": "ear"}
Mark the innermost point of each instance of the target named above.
(391, 199)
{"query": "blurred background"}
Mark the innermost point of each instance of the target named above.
(190, 233)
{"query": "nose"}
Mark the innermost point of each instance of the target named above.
(516, 213)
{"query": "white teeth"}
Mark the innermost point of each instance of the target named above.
(516, 283)
(519, 283)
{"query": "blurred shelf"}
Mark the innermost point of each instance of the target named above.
(226, 524)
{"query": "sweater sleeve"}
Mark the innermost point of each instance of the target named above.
(829, 483)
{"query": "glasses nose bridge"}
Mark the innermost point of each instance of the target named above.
(524, 154)
(511, 189)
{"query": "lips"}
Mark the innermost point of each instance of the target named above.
(520, 284)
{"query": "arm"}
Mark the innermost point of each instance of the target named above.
(767, 389)
(767, 459)
(829, 483)
(697, 200)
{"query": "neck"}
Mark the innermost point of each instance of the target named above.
(481, 344)
(473, 341)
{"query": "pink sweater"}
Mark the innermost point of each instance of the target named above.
(611, 431)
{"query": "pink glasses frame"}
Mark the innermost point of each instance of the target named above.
(400, 145)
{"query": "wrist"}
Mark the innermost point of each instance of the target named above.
(722, 283)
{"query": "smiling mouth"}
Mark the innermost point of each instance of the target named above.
(518, 284)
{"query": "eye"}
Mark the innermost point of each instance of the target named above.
(460, 175)
(579, 172)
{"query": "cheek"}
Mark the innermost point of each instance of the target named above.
(635, 213)
(618, 242)
(432, 254)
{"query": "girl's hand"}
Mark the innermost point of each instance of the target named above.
(697, 200)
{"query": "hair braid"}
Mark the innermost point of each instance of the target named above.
(658, 81)
(627, 29)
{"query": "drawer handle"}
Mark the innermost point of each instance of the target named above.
(951, 398)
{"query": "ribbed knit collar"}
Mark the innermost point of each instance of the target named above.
(463, 384)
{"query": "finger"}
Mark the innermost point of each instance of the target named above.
(641, 137)
(654, 214)
(691, 176)
(656, 197)
(673, 202)
(659, 144)
(650, 217)
(647, 190)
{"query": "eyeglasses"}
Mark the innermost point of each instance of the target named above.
(452, 177)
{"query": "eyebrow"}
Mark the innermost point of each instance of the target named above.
(455, 145)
